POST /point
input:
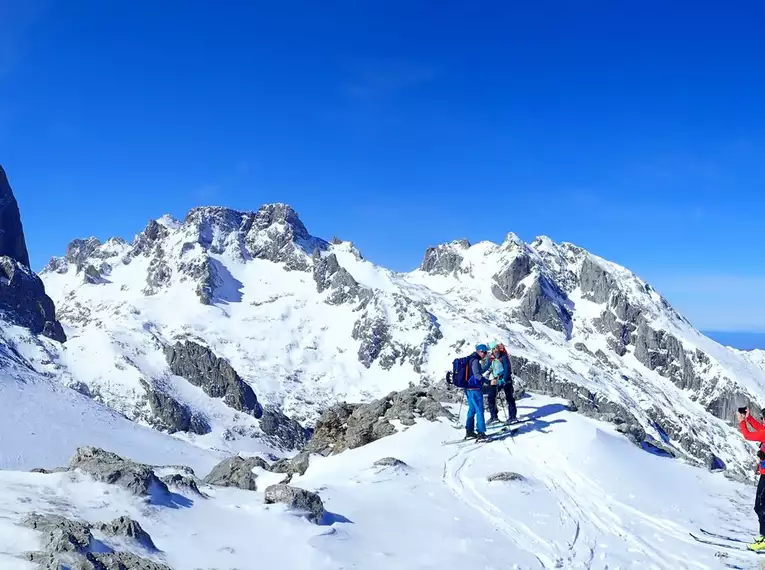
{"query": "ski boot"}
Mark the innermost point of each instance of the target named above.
(493, 420)
(758, 545)
(470, 434)
(479, 436)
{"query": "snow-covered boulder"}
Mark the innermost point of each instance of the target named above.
(296, 499)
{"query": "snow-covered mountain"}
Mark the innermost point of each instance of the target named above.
(205, 328)
(307, 322)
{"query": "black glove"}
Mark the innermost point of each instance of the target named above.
(761, 455)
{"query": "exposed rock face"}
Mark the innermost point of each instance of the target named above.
(12, 242)
(284, 431)
(277, 234)
(198, 365)
(628, 326)
(60, 534)
(347, 426)
(596, 283)
(237, 472)
(375, 331)
(297, 465)
(108, 467)
(173, 416)
(127, 527)
(183, 483)
(68, 544)
(146, 241)
(506, 282)
(343, 288)
(297, 499)
(541, 298)
(444, 259)
(545, 303)
(23, 300)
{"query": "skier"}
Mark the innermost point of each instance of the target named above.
(502, 378)
(474, 393)
(757, 433)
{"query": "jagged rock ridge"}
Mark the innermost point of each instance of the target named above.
(306, 322)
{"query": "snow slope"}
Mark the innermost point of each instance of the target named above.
(42, 423)
(587, 498)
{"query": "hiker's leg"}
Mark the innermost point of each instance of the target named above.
(759, 504)
(480, 420)
(492, 393)
(470, 423)
(512, 410)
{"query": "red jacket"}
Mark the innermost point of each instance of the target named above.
(757, 435)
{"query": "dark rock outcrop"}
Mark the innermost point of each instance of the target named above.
(296, 465)
(23, 300)
(60, 534)
(198, 365)
(183, 483)
(12, 242)
(127, 527)
(108, 467)
(297, 499)
(69, 544)
(171, 415)
(281, 429)
(347, 426)
(506, 476)
(444, 259)
(596, 283)
(506, 282)
(237, 472)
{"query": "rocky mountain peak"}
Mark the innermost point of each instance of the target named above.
(270, 215)
(512, 241)
(446, 258)
(12, 242)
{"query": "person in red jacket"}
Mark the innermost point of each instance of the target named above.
(752, 430)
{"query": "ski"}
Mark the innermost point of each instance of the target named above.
(722, 536)
(741, 548)
(499, 424)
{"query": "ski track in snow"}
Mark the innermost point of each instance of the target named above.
(465, 491)
(649, 539)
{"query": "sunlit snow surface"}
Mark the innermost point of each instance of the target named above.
(587, 499)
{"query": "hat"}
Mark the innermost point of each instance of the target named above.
(481, 348)
(493, 345)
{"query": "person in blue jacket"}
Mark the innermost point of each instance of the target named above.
(502, 378)
(474, 393)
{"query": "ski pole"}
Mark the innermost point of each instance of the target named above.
(503, 407)
(459, 412)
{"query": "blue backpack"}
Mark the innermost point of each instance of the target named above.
(461, 372)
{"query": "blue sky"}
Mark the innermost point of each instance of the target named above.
(636, 130)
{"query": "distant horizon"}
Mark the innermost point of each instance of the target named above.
(742, 340)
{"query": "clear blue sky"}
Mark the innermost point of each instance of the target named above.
(636, 130)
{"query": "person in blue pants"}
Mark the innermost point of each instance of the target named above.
(474, 393)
